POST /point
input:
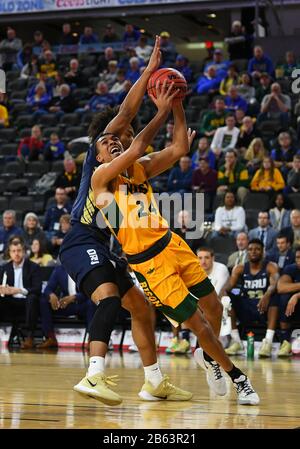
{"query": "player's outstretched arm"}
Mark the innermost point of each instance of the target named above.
(133, 99)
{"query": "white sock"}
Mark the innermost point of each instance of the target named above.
(235, 335)
(270, 335)
(153, 374)
(97, 365)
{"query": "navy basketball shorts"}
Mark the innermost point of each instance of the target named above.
(246, 309)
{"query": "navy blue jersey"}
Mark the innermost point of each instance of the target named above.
(84, 210)
(254, 286)
(293, 271)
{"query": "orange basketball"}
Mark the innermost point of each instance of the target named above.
(171, 75)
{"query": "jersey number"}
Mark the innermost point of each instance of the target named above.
(141, 211)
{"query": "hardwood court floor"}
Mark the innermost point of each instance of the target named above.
(36, 392)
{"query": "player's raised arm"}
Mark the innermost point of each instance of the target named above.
(133, 99)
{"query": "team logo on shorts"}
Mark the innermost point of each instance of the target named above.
(93, 256)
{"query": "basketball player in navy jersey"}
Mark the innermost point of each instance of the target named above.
(103, 277)
(257, 300)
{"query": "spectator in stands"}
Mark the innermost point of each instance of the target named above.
(30, 148)
(209, 82)
(167, 49)
(168, 136)
(57, 239)
(289, 294)
(185, 229)
(217, 272)
(32, 230)
(68, 302)
(110, 35)
(231, 79)
(101, 99)
(282, 254)
(74, 76)
(24, 56)
(64, 102)
(255, 155)
(230, 219)
(264, 88)
(205, 180)
(239, 117)
(109, 76)
(247, 134)
(280, 210)
(20, 290)
(286, 69)
(119, 85)
(268, 178)
(233, 176)
(70, 179)
(143, 50)
(245, 88)
(31, 68)
(88, 36)
(293, 177)
(275, 106)
(38, 101)
(256, 300)
(133, 73)
(4, 121)
(293, 231)
(233, 101)
(264, 232)
(39, 253)
(283, 155)
(54, 149)
(239, 257)
(67, 37)
(131, 34)
(203, 151)
(61, 207)
(39, 42)
(214, 119)
(181, 64)
(239, 42)
(9, 49)
(109, 55)
(8, 228)
(180, 178)
(259, 64)
(48, 65)
(225, 137)
(218, 63)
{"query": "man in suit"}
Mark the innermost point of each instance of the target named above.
(239, 257)
(65, 303)
(20, 289)
(264, 232)
(283, 254)
(293, 232)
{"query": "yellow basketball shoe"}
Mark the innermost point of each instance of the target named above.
(164, 391)
(183, 347)
(285, 349)
(97, 387)
(172, 346)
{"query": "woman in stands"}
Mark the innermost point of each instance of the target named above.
(39, 255)
(255, 155)
(268, 178)
(32, 230)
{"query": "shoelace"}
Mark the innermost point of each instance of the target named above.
(167, 386)
(216, 370)
(111, 380)
(244, 387)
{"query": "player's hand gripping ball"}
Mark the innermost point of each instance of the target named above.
(172, 76)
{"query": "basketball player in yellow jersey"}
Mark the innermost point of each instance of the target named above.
(167, 269)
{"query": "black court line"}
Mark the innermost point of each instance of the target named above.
(33, 419)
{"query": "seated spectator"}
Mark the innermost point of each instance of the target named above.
(110, 35)
(231, 79)
(119, 85)
(39, 253)
(293, 231)
(286, 69)
(88, 36)
(167, 49)
(264, 88)
(267, 178)
(39, 43)
(181, 64)
(280, 210)
(9, 49)
(59, 80)
(233, 101)
(4, 122)
(282, 254)
(8, 228)
(289, 293)
(214, 119)
(32, 230)
(68, 302)
(233, 176)
(260, 63)
(256, 300)
(131, 34)
(264, 232)
(109, 76)
(54, 149)
(209, 82)
(239, 42)
(168, 136)
(70, 179)
(225, 137)
(185, 228)
(205, 180)
(74, 76)
(245, 89)
(109, 55)
(31, 68)
(230, 219)
(48, 65)
(143, 50)
(284, 154)
(218, 63)
(293, 177)
(101, 99)
(239, 117)
(24, 56)
(20, 289)
(239, 257)
(64, 103)
(57, 239)
(180, 178)
(133, 73)
(38, 101)
(203, 151)
(61, 207)
(275, 106)
(247, 134)
(67, 37)
(31, 148)
(255, 155)
(217, 272)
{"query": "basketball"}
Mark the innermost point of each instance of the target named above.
(171, 75)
